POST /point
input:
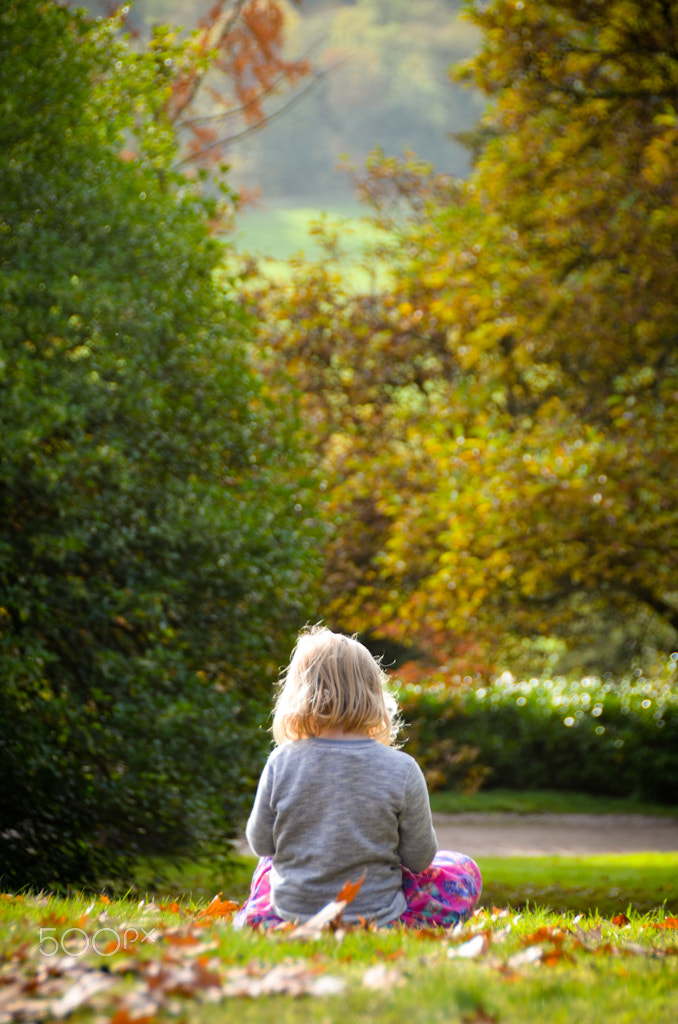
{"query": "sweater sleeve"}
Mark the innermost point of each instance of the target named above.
(259, 829)
(418, 842)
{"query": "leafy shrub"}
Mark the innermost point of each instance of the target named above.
(605, 737)
(153, 562)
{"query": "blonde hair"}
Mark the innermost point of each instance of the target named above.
(333, 681)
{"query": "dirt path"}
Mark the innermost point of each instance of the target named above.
(508, 835)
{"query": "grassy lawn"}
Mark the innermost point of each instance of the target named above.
(276, 233)
(146, 961)
(556, 939)
(543, 801)
(605, 883)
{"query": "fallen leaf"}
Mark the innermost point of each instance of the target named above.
(530, 955)
(479, 1016)
(283, 979)
(350, 890)
(635, 949)
(219, 908)
(381, 977)
(80, 993)
(123, 1016)
(315, 925)
(669, 923)
(552, 957)
(471, 949)
(621, 920)
(546, 934)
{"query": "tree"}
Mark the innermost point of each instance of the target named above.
(155, 559)
(224, 81)
(529, 484)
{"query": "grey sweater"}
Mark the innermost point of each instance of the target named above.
(329, 810)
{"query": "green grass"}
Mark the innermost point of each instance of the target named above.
(281, 231)
(543, 802)
(592, 963)
(584, 968)
(607, 883)
(277, 233)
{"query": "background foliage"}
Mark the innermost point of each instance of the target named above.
(615, 738)
(155, 535)
(498, 425)
(372, 71)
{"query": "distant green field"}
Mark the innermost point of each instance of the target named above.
(278, 232)
(543, 801)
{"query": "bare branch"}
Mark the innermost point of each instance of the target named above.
(255, 101)
(251, 129)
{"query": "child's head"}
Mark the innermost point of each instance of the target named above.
(333, 682)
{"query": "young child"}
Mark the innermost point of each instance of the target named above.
(336, 801)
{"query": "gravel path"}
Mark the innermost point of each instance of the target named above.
(508, 835)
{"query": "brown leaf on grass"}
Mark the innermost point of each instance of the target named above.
(587, 938)
(479, 1016)
(10, 998)
(80, 993)
(193, 978)
(635, 949)
(123, 1016)
(379, 977)
(546, 934)
(283, 979)
(530, 955)
(670, 923)
(554, 956)
(173, 907)
(219, 908)
(621, 920)
(177, 938)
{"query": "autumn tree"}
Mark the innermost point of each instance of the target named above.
(225, 74)
(155, 559)
(523, 475)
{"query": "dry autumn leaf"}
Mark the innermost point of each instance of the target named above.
(219, 908)
(670, 923)
(381, 977)
(350, 890)
(474, 947)
(479, 1016)
(330, 913)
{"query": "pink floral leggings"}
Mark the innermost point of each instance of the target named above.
(444, 894)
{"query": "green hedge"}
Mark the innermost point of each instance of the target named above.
(599, 736)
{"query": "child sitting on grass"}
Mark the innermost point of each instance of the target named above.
(336, 801)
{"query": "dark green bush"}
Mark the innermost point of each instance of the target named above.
(155, 560)
(595, 736)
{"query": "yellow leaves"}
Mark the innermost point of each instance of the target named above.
(661, 153)
(529, 581)
(435, 279)
(442, 311)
